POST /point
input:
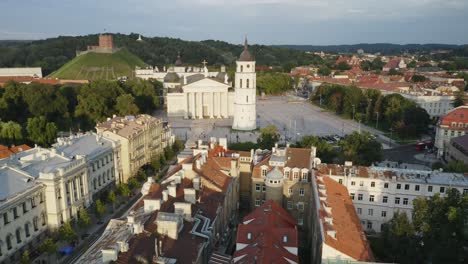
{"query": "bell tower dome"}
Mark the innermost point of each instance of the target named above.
(245, 114)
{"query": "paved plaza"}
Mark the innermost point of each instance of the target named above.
(293, 116)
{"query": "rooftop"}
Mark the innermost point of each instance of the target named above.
(341, 226)
(14, 182)
(6, 152)
(127, 126)
(88, 144)
(267, 235)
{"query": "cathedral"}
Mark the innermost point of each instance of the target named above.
(196, 93)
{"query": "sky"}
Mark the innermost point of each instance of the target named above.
(302, 22)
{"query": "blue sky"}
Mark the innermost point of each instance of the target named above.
(314, 22)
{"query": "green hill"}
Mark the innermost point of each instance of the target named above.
(92, 66)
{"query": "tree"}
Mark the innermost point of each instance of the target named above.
(418, 78)
(25, 259)
(343, 66)
(40, 131)
(123, 190)
(99, 209)
(84, 220)
(361, 149)
(274, 83)
(156, 163)
(324, 150)
(67, 232)
(125, 105)
(112, 198)
(132, 183)
(169, 153)
(49, 247)
(411, 64)
(416, 121)
(459, 99)
(269, 135)
(456, 166)
(178, 145)
(10, 133)
(393, 72)
(324, 71)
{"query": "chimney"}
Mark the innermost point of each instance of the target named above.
(165, 195)
(313, 151)
(172, 189)
(288, 144)
(276, 145)
(190, 195)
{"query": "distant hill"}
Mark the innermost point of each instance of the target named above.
(92, 66)
(384, 48)
(53, 53)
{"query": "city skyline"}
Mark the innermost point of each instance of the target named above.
(297, 22)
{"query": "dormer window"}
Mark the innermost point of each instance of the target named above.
(286, 174)
(285, 239)
(304, 176)
(249, 236)
(296, 175)
(264, 172)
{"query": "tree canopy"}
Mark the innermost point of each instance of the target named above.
(361, 149)
(269, 135)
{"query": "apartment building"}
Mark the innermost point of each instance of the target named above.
(284, 175)
(267, 235)
(23, 215)
(141, 138)
(181, 219)
(378, 192)
(458, 149)
(453, 124)
(337, 236)
(102, 157)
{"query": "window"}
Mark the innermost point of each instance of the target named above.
(290, 205)
(359, 210)
(361, 183)
(442, 189)
(257, 187)
(359, 197)
(405, 201)
(41, 197)
(301, 192)
(296, 175)
(286, 174)
(26, 230)
(257, 202)
(369, 225)
(353, 183)
(384, 213)
(371, 198)
(300, 206)
(372, 184)
(397, 200)
(429, 188)
(398, 186)
(43, 219)
(290, 190)
(406, 186)
(304, 177)
(8, 241)
(247, 99)
(263, 188)
(386, 185)
(264, 172)
(416, 188)
(465, 191)
(5, 219)
(352, 196)
(33, 202)
(385, 199)
(15, 213)
(247, 83)
(300, 221)
(340, 181)
(18, 236)
(35, 225)
(370, 212)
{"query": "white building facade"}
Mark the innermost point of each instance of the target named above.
(379, 192)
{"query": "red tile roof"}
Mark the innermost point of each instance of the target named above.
(350, 238)
(457, 115)
(392, 64)
(271, 230)
(6, 152)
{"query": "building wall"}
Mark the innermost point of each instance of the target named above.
(435, 105)
(443, 136)
(27, 226)
(455, 154)
(176, 104)
(399, 196)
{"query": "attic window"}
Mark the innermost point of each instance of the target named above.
(249, 236)
(285, 239)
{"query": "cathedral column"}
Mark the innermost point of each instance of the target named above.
(186, 106)
(192, 104)
(211, 106)
(218, 98)
(225, 106)
(200, 105)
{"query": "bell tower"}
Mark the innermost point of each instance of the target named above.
(245, 114)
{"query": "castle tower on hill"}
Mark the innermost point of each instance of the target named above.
(106, 45)
(245, 115)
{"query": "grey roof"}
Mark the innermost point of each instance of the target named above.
(245, 55)
(195, 78)
(221, 76)
(172, 77)
(461, 141)
(13, 182)
(89, 144)
(275, 174)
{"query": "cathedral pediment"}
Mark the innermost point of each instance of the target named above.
(207, 84)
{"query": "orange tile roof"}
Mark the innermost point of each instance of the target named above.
(457, 115)
(267, 226)
(6, 152)
(350, 238)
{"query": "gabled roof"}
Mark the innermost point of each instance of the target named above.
(457, 115)
(269, 234)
